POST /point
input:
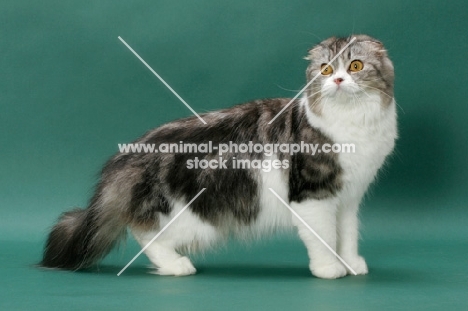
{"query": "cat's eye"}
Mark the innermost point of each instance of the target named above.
(326, 70)
(356, 65)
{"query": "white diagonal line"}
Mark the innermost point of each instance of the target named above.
(162, 80)
(310, 82)
(313, 231)
(160, 232)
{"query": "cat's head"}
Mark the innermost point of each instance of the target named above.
(363, 67)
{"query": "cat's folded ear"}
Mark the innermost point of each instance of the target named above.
(375, 45)
(313, 52)
(317, 51)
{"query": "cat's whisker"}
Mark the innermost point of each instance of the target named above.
(362, 90)
(362, 106)
(362, 85)
(314, 94)
(372, 80)
(368, 122)
(354, 99)
(401, 108)
(371, 87)
(316, 101)
(285, 89)
(303, 117)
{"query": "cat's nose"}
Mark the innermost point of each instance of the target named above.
(338, 80)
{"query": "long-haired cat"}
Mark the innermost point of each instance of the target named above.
(350, 101)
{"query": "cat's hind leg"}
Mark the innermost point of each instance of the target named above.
(164, 256)
(188, 232)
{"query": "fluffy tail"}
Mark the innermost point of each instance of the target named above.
(81, 237)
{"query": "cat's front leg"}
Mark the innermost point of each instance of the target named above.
(320, 216)
(348, 237)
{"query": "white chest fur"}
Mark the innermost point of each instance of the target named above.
(365, 124)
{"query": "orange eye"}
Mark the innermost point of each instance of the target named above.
(356, 65)
(326, 70)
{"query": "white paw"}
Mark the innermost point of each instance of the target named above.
(330, 271)
(179, 267)
(358, 264)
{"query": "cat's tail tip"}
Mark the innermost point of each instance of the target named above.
(79, 239)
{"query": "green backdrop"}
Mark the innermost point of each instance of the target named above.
(70, 91)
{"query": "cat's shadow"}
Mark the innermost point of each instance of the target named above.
(224, 271)
(261, 271)
(376, 274)
(253, 271)
(215, 271)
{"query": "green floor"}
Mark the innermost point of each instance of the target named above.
(415, 269)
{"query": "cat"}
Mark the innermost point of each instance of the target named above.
(348, 101)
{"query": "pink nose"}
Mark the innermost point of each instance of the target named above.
(338, 80)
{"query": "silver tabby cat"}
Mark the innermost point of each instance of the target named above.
(350, 101)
